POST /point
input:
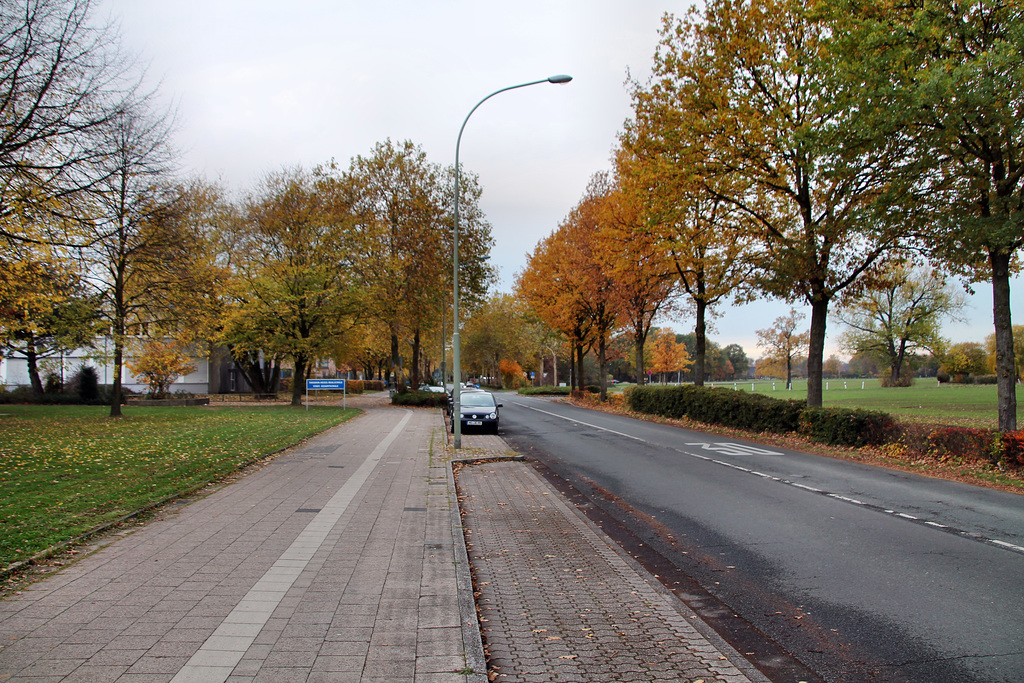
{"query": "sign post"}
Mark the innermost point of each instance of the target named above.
(335, 384)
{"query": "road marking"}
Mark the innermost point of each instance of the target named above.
(740, 449)
(1004, 544)
(732, 448)
(218, 656)
(585, 424)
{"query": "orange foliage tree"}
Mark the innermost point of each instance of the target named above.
(668, 355)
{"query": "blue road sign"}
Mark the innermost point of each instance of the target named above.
(313, 384)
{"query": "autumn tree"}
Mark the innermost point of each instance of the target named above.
(402, 203)
(758, 124)
(49, 313)
(159, 364)
(292, 288)
(782, 343)
(496, 332)
(138, 254)
(833, 366)
(642, 281)
(668, 355)
(1018, 350)
(550, 285)
(946, 78)
(963, 359)
(702, 235)
(899, 313)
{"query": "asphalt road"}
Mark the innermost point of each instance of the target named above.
(859, 573)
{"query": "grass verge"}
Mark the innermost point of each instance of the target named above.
(67, 470)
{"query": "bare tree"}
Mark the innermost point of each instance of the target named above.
(128, 247)
(63, 81)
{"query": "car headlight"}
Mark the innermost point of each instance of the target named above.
(492, 416)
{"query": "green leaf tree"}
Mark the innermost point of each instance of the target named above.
(898, 314)
(947, 78)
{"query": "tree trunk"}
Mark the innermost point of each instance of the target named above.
(700, 342)
(602, 364)
(396, 363)
(639, 360)
(578, 373)
(116, 393)
(298, 380)
(32, 362)
(414, 380)
(816, 351)
(1006, 373)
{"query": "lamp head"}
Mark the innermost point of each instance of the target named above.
(560, 78)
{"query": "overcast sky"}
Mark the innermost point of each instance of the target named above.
(260, 85)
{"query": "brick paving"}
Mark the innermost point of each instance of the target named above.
(558, 602)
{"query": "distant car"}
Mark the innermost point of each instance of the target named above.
(433, 390)
(479, 411)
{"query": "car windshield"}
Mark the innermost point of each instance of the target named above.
(477, 400)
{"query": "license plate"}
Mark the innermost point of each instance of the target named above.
(474, 423)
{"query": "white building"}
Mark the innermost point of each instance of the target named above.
(14, 371)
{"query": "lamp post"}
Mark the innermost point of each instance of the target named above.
(456, 360)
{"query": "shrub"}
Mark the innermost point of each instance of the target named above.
(726, 407)
(420, 398)
(848, 427)
(964, 442)
(24, 395)
(53, 384)
(544, 391)
(904, 380)
(160, 365)
(373, 385)
(86, 383)
(1012, 449)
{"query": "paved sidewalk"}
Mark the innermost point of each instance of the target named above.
(342, 560)
(559, 602)
(334, 562)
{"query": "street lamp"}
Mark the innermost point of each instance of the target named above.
(456, 360)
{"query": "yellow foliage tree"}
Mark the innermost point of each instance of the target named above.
(668, 355)
(159, 365)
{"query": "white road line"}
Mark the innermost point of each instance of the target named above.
(1004, 544)
(218, 656)
(585, 424)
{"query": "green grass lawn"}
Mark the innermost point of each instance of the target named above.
(64, 470)
(964, 405)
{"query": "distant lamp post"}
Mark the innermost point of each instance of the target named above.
(456, 360)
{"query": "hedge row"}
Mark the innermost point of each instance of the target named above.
(544, 391)
(835, 426)
(420, 398)
(725, 407)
